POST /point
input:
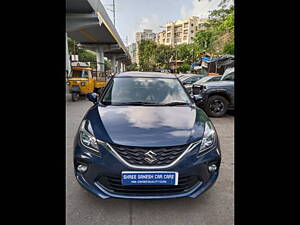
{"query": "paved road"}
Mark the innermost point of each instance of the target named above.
(214, 207)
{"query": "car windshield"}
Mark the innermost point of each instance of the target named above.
(204, 79)
(145, 91)
(184, 77)
(79, 73)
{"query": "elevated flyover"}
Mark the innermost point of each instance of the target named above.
(88, 23)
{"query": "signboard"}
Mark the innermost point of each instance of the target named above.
(74, 58)
(80, 64)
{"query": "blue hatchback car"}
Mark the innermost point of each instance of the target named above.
(144, 138)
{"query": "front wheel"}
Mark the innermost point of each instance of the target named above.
(75, 97)
(216, 106)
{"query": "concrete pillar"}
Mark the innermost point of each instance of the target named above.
(68, 64)
(100, 59)
(119, 66)
(113, 63)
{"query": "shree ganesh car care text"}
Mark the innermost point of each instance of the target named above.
(149, 178)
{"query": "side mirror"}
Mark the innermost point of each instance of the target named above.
(93, 97)
(197, 97)
(196, 89)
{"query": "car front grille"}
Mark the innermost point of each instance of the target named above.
(114, 185)
(137, 156)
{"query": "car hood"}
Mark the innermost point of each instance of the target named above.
(147, 125)
(218, 83)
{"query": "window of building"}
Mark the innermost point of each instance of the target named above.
(192, 24)
(186, 25)
(168, 40)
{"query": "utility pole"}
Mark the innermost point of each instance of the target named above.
(114, 12)
(175, 58)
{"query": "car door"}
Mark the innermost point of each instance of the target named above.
(230, 77)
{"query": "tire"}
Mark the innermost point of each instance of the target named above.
(216, 106)
(75, 97)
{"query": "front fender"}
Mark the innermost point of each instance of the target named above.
(220, 91)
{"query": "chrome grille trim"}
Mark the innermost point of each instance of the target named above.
(189, 148)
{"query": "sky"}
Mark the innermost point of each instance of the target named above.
(135, 15)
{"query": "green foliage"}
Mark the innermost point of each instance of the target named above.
(229, 48)
(184, 68)
(132, 67)
(147, 56)
(86, 55)
(218, 38)
(163, 54)
(204, 39)
(71, 45)
(107, 64)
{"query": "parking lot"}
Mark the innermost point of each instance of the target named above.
(214, 207)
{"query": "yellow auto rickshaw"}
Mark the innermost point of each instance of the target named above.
(81, 82)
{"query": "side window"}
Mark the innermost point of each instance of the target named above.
(85, 74)
(193, 79)
(197, 78)
(188, 80)
(229, 76)
(215, 79)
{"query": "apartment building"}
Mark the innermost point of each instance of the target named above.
(181, 31)
(146, 34)
(132, 48)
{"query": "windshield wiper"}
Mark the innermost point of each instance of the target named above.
(136, 103)
(175, 103)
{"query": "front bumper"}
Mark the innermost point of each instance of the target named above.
(203, 100)
(107, 165)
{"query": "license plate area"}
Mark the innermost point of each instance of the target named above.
(149, 178)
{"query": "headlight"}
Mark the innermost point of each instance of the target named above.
(68, 83)
(209, 137)
(82, 83)
(87, 137)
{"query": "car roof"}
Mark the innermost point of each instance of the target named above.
(146, 74)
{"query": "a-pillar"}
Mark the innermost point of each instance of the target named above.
(113, 64)
(100, 59)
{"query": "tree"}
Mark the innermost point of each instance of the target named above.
(163, 54)
(204, 39)
(218, 38)
(107, 64)
(184, 68)
(85, 55)
(132, 67)
(229, 48)
(147, 55)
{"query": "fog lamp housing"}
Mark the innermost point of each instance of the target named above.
(212, 168)
(82, 168)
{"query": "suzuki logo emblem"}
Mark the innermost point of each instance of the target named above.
(149, 157)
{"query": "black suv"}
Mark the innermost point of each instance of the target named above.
(216, 97)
